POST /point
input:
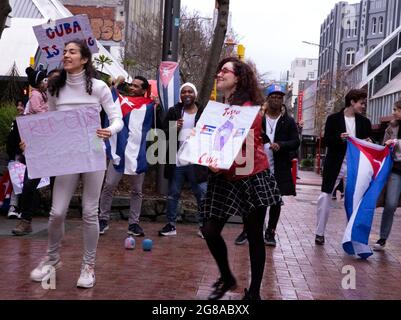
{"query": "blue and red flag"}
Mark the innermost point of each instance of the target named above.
(368, 168)
(168, 84)
(127, 149)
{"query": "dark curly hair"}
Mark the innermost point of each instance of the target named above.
(58, 82)
(247, 89)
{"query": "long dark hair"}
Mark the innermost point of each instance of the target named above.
(58, 82)
(247, 88)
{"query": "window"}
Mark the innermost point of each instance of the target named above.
(381, 79)
(374, 25)
(349, 29)
(395, 68)
(381, 25)
(390, 48)
(350, 57)
(310, 62)
(399, 41)
(375, 61)
(311, 76)
(355, 28)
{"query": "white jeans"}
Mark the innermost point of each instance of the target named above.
(64, 187)
(325, 202)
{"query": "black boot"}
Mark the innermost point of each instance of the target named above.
(249, 296)
(221, 287)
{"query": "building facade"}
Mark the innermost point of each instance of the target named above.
(349, 33)
(302, 69)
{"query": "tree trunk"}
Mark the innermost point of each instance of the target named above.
(215, 52)
(5, 9)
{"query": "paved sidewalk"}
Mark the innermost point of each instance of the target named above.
(181, 267)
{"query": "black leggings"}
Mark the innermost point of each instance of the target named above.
(253, 225)
(274, 216)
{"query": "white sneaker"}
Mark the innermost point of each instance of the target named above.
(45, 269)
(200, 234)
(13, 213)
(87, 278)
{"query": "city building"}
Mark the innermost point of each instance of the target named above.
(349, 33)
(302, 69)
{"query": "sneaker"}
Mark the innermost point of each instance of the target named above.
(168, 230)
(135, 230)
(269, 238)
(200, 234)
(319, 240)
(13, 213)
(87, 278)
(23, 228)
(103, 226)
(241, 239)
(43, 270)
(379, 245)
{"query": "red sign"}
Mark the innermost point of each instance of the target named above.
(300, 102)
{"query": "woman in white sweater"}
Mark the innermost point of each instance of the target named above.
(76, 87)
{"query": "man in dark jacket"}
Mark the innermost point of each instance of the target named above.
(281, 140)
(349, 122)
(180, 121)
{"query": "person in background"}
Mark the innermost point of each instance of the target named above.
(349, 122)
(182, 118)
(139, 91)
(14, 154)
(392, 137)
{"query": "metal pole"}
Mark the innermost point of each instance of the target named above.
(175, 29)
(168, 7)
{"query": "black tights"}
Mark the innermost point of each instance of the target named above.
(253, 225)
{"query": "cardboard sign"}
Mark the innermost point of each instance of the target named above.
(62, 142)
(52, 37)
(219, 135)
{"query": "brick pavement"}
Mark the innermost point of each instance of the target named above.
(182, 268)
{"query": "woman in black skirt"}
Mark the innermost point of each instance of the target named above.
(231, 192)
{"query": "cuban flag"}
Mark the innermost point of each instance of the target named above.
(127, 148)
(368, 168)
(168, 84)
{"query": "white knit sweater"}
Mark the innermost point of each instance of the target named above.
(73, 95)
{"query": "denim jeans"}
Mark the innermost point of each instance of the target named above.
(392, 196)
(175, 184)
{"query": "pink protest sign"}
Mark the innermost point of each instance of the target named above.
(62, 142)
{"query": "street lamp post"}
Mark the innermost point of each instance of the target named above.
(318, 157)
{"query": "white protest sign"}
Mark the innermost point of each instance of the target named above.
(62, 142)
(52, 37)
(219, 135)
(17, 173)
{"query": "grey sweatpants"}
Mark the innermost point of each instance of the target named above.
(112, 179)
(64, 187)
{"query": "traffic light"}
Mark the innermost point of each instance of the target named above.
(213, 95)
(241, 52)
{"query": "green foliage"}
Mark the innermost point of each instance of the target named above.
(8, 112)
(306, 163)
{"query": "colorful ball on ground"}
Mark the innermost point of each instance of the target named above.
(147, 245)
(129, 243)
